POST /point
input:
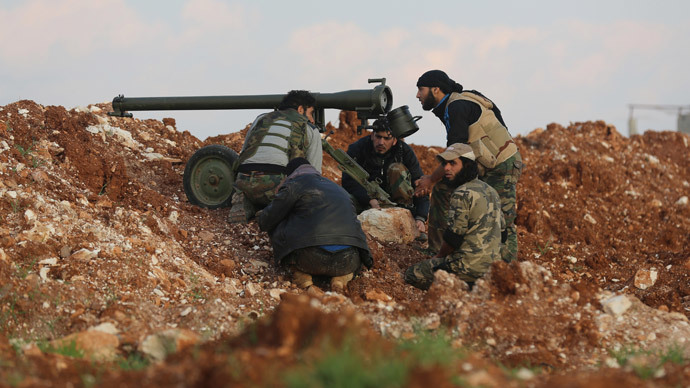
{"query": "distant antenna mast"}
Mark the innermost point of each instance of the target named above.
(683, 124)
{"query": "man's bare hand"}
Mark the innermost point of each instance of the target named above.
(423, 185)
(421, 226)
(374, 203)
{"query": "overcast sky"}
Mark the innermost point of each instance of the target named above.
(540, 61)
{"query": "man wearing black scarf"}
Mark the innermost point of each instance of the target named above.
(473, 119)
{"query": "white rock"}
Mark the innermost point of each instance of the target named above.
(85, 254)
(524, 374)
(49, 261)
(590, 219)
(394, 224)
(159, 345)
(683, 201)
(29, 216)
(43, 273)
(616, 305)
(276, 293)
(645, 278)
(252, 289)
(105, 327)
(186, 311)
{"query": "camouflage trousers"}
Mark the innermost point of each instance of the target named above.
(320, 262)
(503, 178)
(255, 191)
(400, 184)
(421, 275)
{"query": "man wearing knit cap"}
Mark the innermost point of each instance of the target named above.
(472, 119)
(472, 239)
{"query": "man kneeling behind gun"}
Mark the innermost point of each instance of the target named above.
(314, 229)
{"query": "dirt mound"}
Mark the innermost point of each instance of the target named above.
(97, 235)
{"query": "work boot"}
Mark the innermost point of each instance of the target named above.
(237, 215)
(301, 279)
(338, 283)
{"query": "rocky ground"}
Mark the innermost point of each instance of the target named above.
(109, 277)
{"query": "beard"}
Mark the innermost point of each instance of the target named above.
(429, 102)
(469, 171)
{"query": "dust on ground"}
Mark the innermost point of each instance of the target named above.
(97, 236)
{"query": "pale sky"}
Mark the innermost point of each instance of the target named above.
(539, 61)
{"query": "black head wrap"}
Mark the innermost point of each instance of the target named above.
(437, 78)
(293, 164)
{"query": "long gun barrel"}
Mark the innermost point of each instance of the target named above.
(367, 103)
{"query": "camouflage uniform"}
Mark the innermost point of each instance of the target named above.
(496, 152)
(400, 181)
(503, 178)
(272, 141)
(475, 219)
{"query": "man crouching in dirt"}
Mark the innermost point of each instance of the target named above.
(473, 238)
(314, 228)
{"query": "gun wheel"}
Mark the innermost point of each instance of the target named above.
(208, 176)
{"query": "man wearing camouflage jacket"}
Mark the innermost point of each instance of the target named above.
(473, 237)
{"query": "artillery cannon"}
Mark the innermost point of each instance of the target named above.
(209, 175)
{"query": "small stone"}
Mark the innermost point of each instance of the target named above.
(491, 342)
(106, 327)
(524, 374)
(206, 236)
(590, 219)
(186, 311)
(378, 295)
(29, 216)
(228, 265)
(85, 254)
(275, 293)
(645, 278)
(158, 346)
(251, 288)
(65, 251)
(682, 201)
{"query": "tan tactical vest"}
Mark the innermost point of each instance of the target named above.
(490, 140)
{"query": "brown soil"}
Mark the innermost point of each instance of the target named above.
(95, 228)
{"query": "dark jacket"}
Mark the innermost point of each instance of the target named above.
(362, 151)
(310, 210)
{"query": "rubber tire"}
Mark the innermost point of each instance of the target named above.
(208, 177)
